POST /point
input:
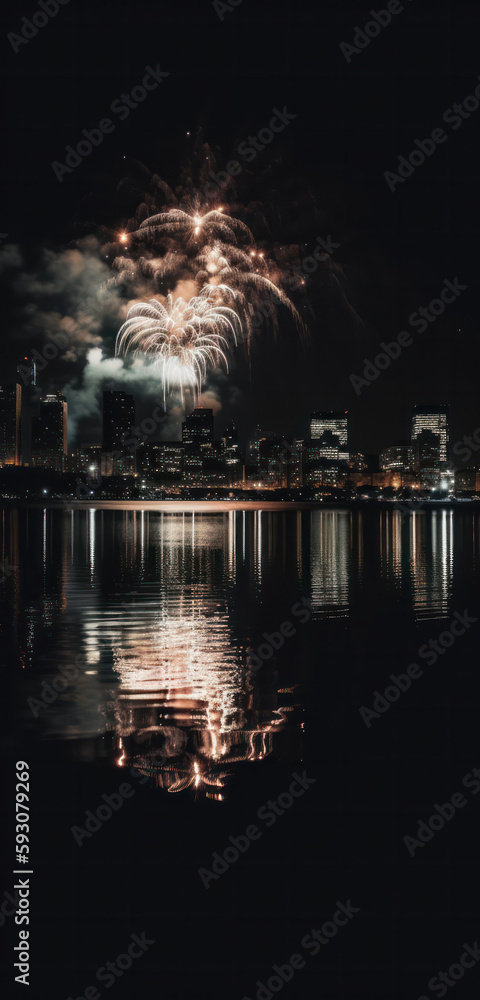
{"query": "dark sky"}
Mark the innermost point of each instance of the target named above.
(323, 175)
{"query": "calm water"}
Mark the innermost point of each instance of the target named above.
(161, 618)
(166, 623)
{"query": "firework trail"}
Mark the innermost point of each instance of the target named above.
(183, 338)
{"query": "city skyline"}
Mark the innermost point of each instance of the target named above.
(29, 378)
(204, 457)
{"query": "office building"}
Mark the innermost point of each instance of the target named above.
(329, 432)
(197, 430)
(49, 433)
(118, 424)
(10, 415)
(118, 419)
(230, 455)
(274, 458)
(430, 436)
(254, 449)
(400, 457)
(163, 460)
(296, 452)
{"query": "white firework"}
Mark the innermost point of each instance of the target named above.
(183, 339)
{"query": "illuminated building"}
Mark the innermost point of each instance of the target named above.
(357, 461)
(87, 459)
(467, 481)
(430, 435)
(49, 433)
(198, 427)
(10, 414)
(197, 437)
(399, 457)
(274, 458)
(27, 377)
(254, 449)
(329, 432)
(320, 473)
(118, 422)
(296, 452)
(230, 455)
(118, 419)
(164, 460)
(193, 467)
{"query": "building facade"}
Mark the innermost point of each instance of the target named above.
(431, 437)
(329, 433)
(49, 433)
(10, 416)
(118, 424)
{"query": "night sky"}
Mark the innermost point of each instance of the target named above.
(322, 176)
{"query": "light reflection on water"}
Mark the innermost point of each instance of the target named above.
(166, 608)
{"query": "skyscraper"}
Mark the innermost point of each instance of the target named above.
(49, 432)
(10, 413)
(329, 432)
(118, 419)
(198, 427)
(399, 457)
(430, 435)
(197, 437)
(27, 377)
(231, 454)
(254, 450)
(118, 423)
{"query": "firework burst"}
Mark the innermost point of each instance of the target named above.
(183, 339)
(212, 250)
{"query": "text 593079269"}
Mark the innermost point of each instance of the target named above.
(22, 858)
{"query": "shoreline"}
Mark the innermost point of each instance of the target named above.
(212, 506)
